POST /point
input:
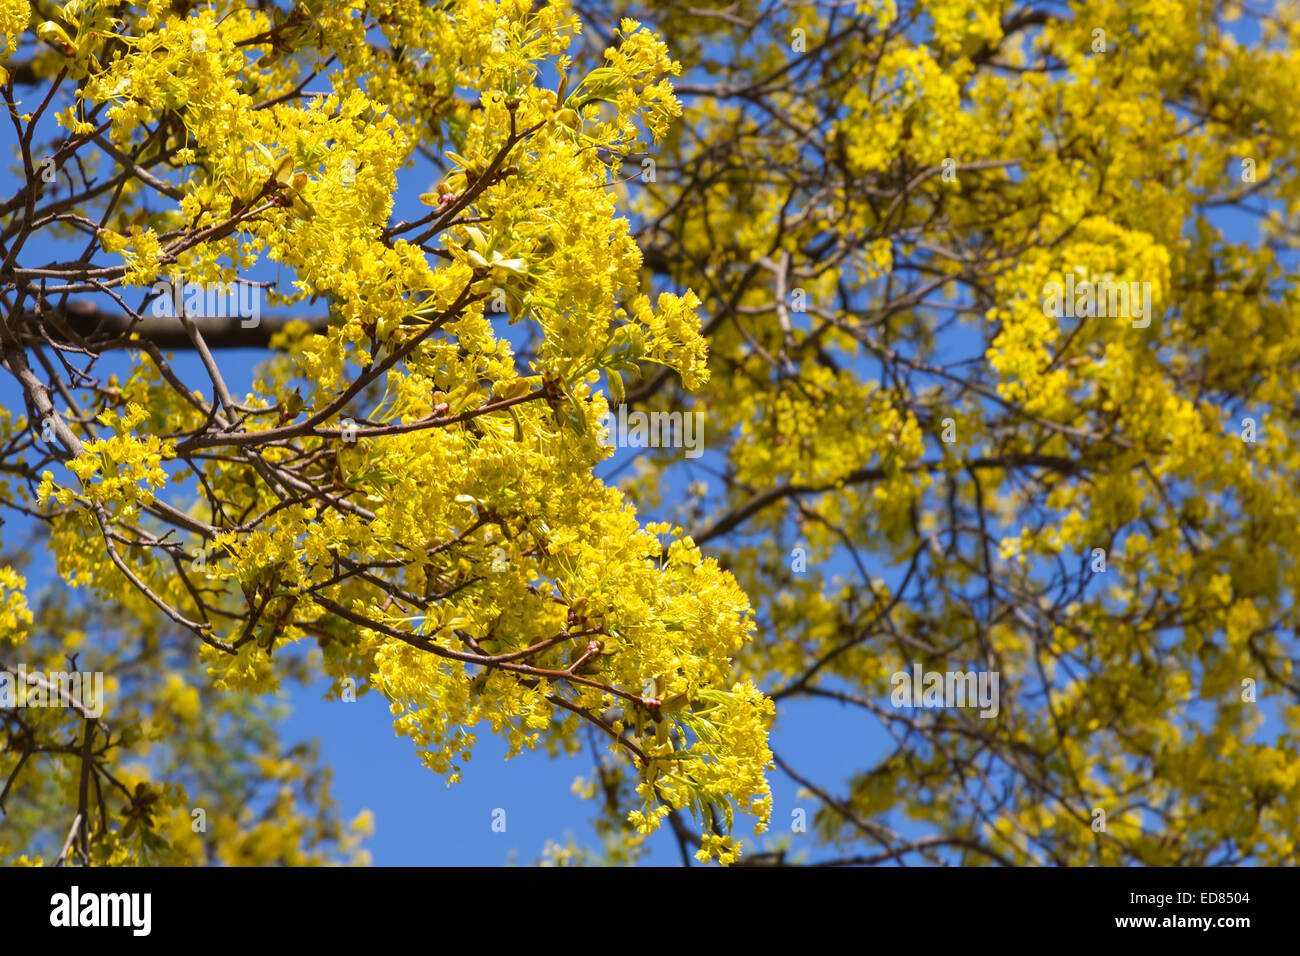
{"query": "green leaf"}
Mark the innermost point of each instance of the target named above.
(284, 170)
(153, 840)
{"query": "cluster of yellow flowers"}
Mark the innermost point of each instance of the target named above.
(13, 20)
(121, 472)
(545, 558)
(15, 616)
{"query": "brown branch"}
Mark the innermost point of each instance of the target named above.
(106, 330)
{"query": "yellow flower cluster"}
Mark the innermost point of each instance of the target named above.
(548, 563)
(13, 20)
(15, 616)
(121, 472)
